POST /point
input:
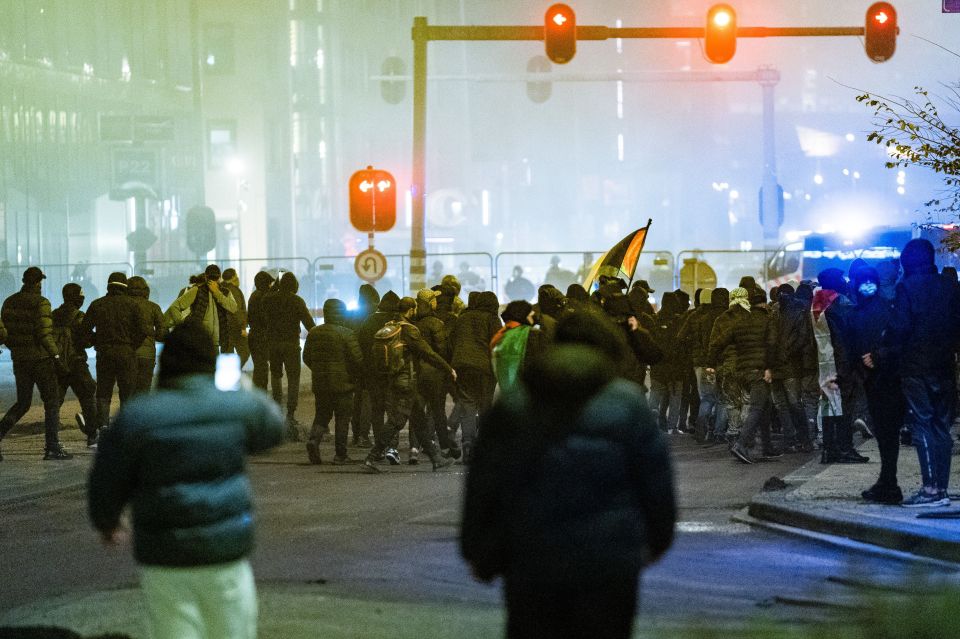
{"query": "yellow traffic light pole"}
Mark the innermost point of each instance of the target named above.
(424, 33)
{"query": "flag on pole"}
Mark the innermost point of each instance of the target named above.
(621, 260)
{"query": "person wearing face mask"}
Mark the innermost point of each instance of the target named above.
(76, 376)
(879, 363)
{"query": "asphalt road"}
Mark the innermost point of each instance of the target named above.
(385, 543)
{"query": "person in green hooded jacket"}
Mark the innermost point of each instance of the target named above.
(513, 344)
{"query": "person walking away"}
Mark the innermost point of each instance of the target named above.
(696, 332)
(514, 345)
(258, 338)
(880, 364)
(333, 356)
(205, 303)
(116, 328)
(799, 347)
(360, 424)
(36, 361)
(723, 361)
(386, 312)
(398, 353)
(288, 311)
(786, 387)
(177, 456)
(67, 320)
(666, 377)
(926, 325)
(152, 314)
(572, 506)
(832, 313)
(470, 345)
(431, 398)
(238, 321)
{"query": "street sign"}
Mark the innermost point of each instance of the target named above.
(135, 165)
(951, 6)
(370, 265)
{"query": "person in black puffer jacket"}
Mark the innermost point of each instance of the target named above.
(470, 345)
(258, 318)
(695, 335)
(749, 333)
(570, 494)
(288, 312)
(367, 301)
(36, 360)
(333, 356)
(386, 312)
(786, 368)
(116, 328)
(177, 456)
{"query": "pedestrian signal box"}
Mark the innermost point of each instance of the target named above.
(373, 200)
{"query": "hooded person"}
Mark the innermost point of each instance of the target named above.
(571, 562)
(695, 334)
(368, 299)
(386, 312)
(470, 357)
(67, 320)
(452, 289)
(258, 339)
(832, 314)
(153, 317)
(667, 375)
(577, 297)
(332, 354)
(288, 312)
(116, 327)
(207, 304)
(514, 344)
(239, 342)
(926, 327)
(549, 308)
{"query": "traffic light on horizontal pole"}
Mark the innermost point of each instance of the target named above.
(373, 200)
(881, 31)
(720, 37)
(560, 33)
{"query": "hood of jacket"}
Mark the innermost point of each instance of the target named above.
(289, 283)
(720, 298)
(334, 312)
(487, 301)
(262, 281)
(389, 302)
(550, 301)
(369, 299)
(137, 287)
(568, 375)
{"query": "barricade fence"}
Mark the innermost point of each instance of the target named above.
(512, 275)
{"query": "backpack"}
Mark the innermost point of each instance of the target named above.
(390, 350)
(63, 338)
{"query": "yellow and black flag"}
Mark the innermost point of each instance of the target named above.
(621, 260)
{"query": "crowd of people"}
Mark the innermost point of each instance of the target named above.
(764, 374)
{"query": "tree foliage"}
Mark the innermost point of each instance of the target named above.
(915, 133)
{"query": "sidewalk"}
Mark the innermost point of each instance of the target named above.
(826, 499)
(23, 473)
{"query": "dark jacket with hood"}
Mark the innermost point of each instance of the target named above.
(695, 333)
(795, 346)
(432, 330)
(258, 314)
(183, 471)
(870, 323)
(152, 316)
(673, 366)
(927, 320)
(368, 299)
(473, 331)
(749, 333)
(332, 352)
(115, 321)
(68, 317)
(581, 495)
(287, 311)
(29, 325)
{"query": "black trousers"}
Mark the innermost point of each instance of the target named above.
(285, 356)
(400, 398)
(536, 611)
(888, 409)
(260, 353)
(360, 421)
(81, 382)
(475, 393)
(116, 366)
(336, 405)
(432, 403)
(145, 368)
(41, 373)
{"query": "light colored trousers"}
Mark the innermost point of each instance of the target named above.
(205, 602)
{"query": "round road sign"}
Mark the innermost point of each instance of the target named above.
(370, 265)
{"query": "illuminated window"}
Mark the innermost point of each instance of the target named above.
(221, 142)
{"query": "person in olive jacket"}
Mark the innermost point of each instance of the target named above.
(258, 339)
(177, 456)
(333, 356)
(470, 347)
(36, 360)
(570, 493)
(67, 320)
(153, 315)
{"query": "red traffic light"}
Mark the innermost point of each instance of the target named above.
(881, 31)
(560, 33)
(373, 200)
(720, 41)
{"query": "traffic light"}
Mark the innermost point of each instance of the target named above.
(560, 33)
(881, 31)
(373, 200)
(720, 42)
(540, 91)
(201, 229)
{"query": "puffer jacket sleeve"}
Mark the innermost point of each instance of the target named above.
(653, 473)
(310, 347)
(353, 356)
(43, 328)
(111, 482)
(3, 332)
(264, 426)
